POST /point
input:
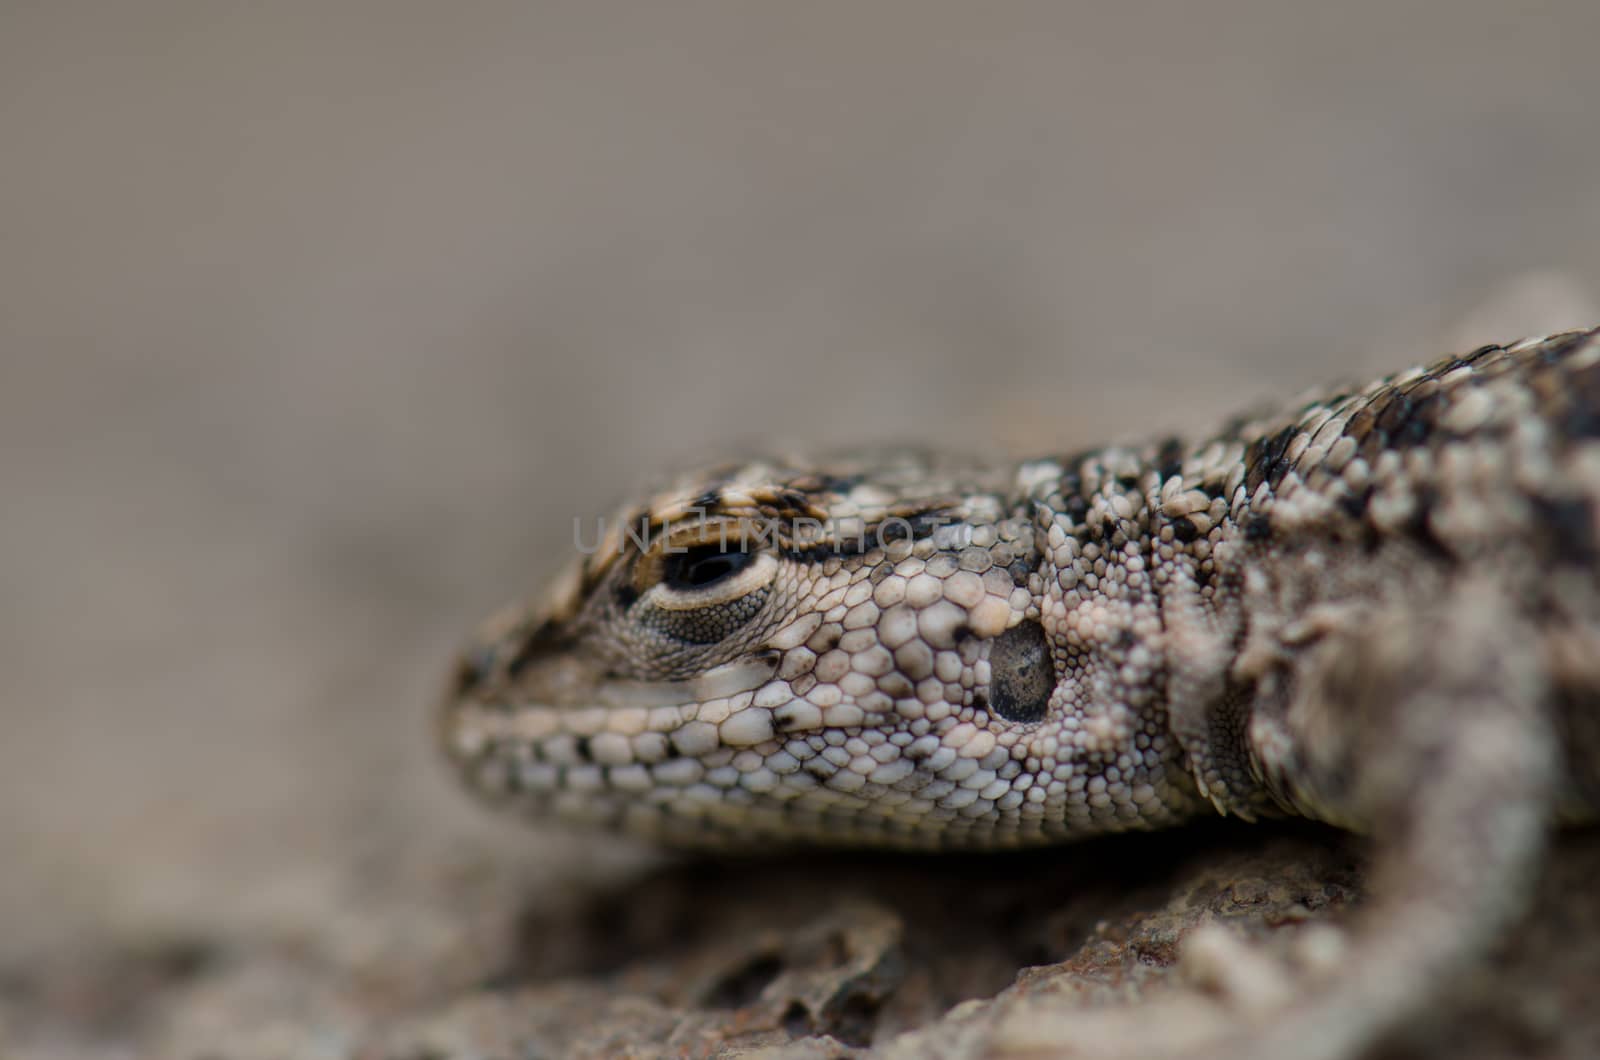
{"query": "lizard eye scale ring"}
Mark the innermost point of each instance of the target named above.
(703, 624)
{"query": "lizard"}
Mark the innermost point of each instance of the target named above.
(1377, 607)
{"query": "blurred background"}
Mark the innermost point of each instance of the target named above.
(321, 322)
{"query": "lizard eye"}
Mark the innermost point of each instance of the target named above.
(706, 592)
(703, 566)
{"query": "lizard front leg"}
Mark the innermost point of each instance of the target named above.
(1427, 728)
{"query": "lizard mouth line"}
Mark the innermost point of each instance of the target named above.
(729, 679)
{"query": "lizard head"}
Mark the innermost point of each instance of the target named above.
(841, 653)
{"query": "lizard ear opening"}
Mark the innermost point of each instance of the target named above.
(1022, 673)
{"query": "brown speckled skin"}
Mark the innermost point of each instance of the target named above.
(1379, 608)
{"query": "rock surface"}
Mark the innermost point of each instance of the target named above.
(1075, 952)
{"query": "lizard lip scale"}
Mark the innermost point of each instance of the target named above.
(1375, 608)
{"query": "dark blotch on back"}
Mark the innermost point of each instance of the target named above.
(1411, 419)
(1582, 418)
(1566, 528)
(1022, 673)
(840, 484)
(1400, 419)
(1264, 460)
(1420, 525)
(1169, 458)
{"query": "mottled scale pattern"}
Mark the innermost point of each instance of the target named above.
(1377, 607)
(914, 649)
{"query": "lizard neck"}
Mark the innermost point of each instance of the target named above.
(1132, 558)
(1144, 586)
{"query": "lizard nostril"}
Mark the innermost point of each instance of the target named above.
(1022, 673)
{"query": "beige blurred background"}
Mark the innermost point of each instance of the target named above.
(320, 322)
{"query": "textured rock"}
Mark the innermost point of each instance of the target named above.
(1080, 950)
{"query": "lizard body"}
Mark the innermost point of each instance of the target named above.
(1378, 607)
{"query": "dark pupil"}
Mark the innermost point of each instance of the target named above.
(703, 565)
